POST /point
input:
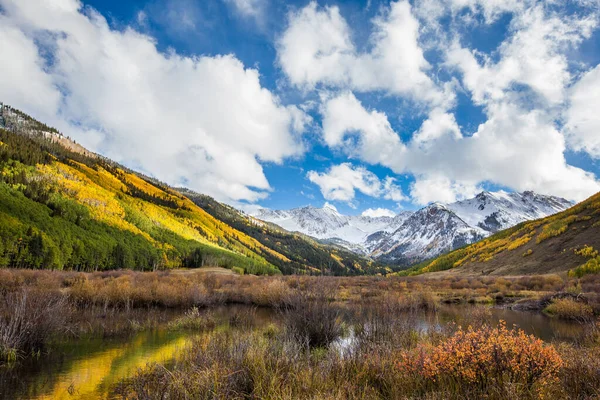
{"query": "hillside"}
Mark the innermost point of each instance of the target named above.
(63, 207)
(300, 249)
(567, 241)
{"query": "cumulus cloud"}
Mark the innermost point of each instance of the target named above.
(582, 116)
(203, 122)
(532, 56)
(361, 133)
(317, 48)
(341, 182)
(515, 148)
(427, 189)
(378, 212)
(520, 145)
(437, 125)
(391, 191)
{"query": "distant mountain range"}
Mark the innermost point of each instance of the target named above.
(411, 237)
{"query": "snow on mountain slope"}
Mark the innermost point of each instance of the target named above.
(500, 210)
(410, 237)
(427, 233)
(328, 223)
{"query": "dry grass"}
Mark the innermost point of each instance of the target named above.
(302, 358)
(185, 289)
(491, 363)
(27, 320)
(568, 308)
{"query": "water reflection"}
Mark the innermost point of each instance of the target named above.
(88, 368)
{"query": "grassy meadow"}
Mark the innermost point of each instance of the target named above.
(333, 337)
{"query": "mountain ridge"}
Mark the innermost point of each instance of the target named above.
(564, 242)
(411, 237)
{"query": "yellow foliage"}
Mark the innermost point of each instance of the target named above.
(519, 242)
(106, 196)
(587, 252)
(102, 203)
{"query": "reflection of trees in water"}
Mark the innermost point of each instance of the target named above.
(89, 367)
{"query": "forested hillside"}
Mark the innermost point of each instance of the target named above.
(64, 207)
(300, 249)
(567, 241)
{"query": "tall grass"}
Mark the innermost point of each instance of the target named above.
(311, 319)
(492, 363)
(567, 308)
(28, 320)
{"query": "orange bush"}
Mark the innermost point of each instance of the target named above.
(485, 357)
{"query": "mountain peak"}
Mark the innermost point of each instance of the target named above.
(329, 206)
(429, 231)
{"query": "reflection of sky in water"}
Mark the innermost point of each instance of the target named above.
(87, 368)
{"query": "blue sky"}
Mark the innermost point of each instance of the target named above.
(364, 104)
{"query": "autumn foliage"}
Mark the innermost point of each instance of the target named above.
(484, 358)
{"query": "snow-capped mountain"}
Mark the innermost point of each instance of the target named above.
(425, 234)
(500, 210)
(414, 236)
(328, 223)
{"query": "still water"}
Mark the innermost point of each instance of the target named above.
(86, 368)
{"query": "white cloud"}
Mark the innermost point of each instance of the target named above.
(391, 191)
(427, 189)
(516, 148)
(317, 48)
(364, 134)
(439, 124)
(204, 122)
(22, 78)
(583, 115)
(378, 212)
(533, 56)
(519, 149)
(341, 182)
(491, 9)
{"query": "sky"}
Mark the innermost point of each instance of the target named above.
(372, 106)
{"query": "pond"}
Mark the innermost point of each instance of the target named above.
(86, 368)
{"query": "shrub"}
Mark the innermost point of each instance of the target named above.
(592, 266)
(238, 270)
(570, 309)
(580, 375)
(555, 228)
(311, 319)
(487, 359)
(587, 252)
(194, 320)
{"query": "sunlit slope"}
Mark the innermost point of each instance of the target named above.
(61, 209)
(567, 241)
(64, 207)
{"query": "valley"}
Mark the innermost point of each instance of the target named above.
(116, 285)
